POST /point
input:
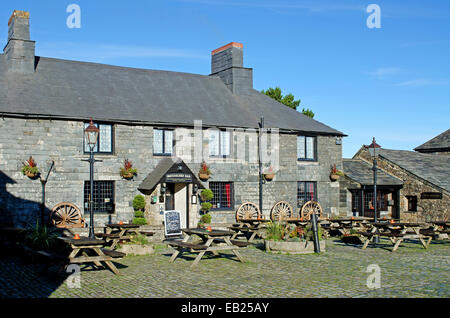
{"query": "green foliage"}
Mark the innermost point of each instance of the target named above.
(138, 239)
(206, 194)
(29, 169)
(206, 218)
(139, 221)
(41, 238)
(206, 206)
(139, 214)
(287, 100)
(275, 231)
(308, 112)
(309, 234)
(139, 203)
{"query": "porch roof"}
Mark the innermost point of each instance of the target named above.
(361, 172)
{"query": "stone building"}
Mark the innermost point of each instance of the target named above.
(413, 186)
(166, 124)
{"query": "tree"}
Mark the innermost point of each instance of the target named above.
(288, 100)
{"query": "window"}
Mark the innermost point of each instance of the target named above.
(162, 142)
(306, 148)
(105, 139)
(219, 143)
(356, 200)
(306, 191)
(412, 203)
(223, 195)
(103, 196)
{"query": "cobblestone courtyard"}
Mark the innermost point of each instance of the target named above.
(339, 272)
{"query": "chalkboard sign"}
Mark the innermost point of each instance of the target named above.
(172, 223)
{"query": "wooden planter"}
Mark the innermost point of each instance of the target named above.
(269, 176)
(203, 176)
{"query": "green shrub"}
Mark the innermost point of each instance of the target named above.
(309, 234)
(41, 238)
(206, 194)
(139, 203)
(138, 239)
(274, 231)
(206, 206)
(139, 214)
(206, 218)
(139, 221)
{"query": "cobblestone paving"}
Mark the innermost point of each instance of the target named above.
(339, 272)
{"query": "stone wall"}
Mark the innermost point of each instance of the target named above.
(427, 209)
(62, 141)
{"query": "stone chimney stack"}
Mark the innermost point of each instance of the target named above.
(20, 50)
(227, 63)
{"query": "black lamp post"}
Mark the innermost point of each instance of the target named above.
(91, 135)
(374, 150)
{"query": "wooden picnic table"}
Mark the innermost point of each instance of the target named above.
(212, 241)
(250, 228)
(117, 232)
(441, 226)
(92, 251)
(398, 232)
(345, 225)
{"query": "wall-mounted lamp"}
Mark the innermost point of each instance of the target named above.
(163, 189)
(338, 140)
(194, 199)
(180, 168)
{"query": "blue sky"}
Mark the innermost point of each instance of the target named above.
(392, 83)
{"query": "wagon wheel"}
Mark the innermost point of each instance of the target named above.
(66, 215)
(309, 208)
(281, 211)
(247, 211)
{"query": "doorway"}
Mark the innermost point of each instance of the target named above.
(177, 198)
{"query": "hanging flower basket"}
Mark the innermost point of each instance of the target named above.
(30, 169)
(269, 175)
(204, 172)
(334, 177)
(335, 173)
(127, 171)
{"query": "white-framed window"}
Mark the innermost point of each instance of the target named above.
(219, 143)
(306, 148)
(162, 142)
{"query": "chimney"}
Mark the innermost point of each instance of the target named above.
(20, 50)
(227, 63)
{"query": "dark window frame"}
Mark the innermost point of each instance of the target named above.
(103, 206)
(412, 203)
(164, 154)
(221, 187)
(306, 183)
(97, 124)
(314, 159)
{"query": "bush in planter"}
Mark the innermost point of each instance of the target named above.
(29, 168)
(274, 231)
(205, 219)
(139, 203)
(206, 195)
(309, 234)
(41, 238)
(139, 206)
(206, 206)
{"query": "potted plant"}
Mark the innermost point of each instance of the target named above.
(30, 169)
(204, 172)
(291, 239)
(127, 171)
(269, 174)
(139, 206)
(137, 245)
(205, 219)
(335, 173)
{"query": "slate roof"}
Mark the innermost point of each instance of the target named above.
(438, 143)
(433, 168)
(361, 172)
(64, 89)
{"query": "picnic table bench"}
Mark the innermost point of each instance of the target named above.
(250, 228)
(92, 251)
(397, 233)
(120, 232)
(211, 241)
